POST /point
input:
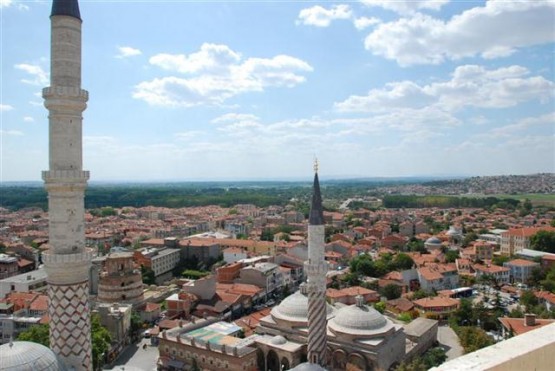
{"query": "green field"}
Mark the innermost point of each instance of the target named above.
(535, 198)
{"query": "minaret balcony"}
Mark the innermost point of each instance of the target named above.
(53, 92)
(69, 175)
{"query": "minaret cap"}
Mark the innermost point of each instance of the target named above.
(66, 7)
(316, 211)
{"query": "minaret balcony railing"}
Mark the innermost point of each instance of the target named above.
(65, 91)
(69, 174)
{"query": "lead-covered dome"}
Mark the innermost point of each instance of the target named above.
(433, 241)
(359, 320)
(28, 356)
(294, 308)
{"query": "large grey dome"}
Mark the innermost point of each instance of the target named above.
(294, 308)
(433, 241)
(308, 367)
(359, 320)
(28, 356)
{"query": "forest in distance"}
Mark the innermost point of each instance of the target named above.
(261, 194)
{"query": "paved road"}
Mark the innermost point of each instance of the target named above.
(137, 358)
(450, 342)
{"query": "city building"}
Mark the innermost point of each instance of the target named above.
(208, 345)
(30, 281)
(161, 261)
(121, 281)
(520, 270)
(516, 239)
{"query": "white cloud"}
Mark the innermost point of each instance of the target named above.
(365, 22)
(229, 117)
(28, 119)
(39, 76)
(13, 133)
(547, 120)
(5, 107)
(470, 85)
(322, 17)
(483, 31)
(5, 3)
(406, 6)
(218, 73)
(210, 57)
(188, 135)
(127, 51)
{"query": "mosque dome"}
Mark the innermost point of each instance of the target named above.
(294, 308)
(359, 319)
(278, 340)
(308, 367)
(453, 231)
(433, 241)
(28, 356)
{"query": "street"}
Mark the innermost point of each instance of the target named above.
(137, 358)
(450, 342)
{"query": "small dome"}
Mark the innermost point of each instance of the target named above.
(454, 231)
(278, 340)
(28, 356)
(359, 320)
(308, 367)
(295, 308)
(433, 241)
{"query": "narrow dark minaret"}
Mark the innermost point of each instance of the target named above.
(68, 260)
(316, 268)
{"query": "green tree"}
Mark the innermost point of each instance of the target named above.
(468, 238)
(101, 340)
(473, 338)
(451, 256)
(464, 315)
(391, 291)
(37, 334)
(148, 275)
(528, 299)
(379, 306)
(543, 241)
(403, 261)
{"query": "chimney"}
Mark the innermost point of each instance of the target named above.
(529, 319)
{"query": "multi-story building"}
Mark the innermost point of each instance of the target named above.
(117, 320)
(160, 260)
(264, 275)
(30, 281)
(520, 269)
(516, 239)
(8, 266)
(501, 275)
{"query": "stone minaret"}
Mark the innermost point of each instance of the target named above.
(67, 261)
(316, 268)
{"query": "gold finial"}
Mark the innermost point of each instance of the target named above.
(315, 165)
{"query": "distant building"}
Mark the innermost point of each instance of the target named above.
(160, 260)
(520, 269)
(31, 281)
(517, 239)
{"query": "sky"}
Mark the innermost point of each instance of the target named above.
(255, 90)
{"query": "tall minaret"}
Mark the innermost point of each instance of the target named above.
(67, 261)
(316, 268)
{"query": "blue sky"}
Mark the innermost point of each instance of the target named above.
(216, 90)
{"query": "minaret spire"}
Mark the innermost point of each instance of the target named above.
(316, 268)
(67, 261)
(66, 7)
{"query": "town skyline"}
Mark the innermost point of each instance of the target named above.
(253, 91)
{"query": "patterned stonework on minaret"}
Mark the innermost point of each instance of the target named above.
(68, 260)
(316, 268)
